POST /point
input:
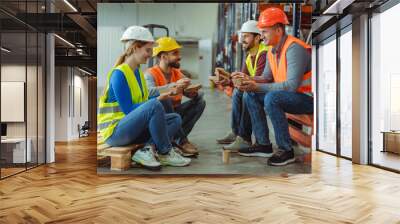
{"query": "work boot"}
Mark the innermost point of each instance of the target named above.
(239, 143)
(188, 149)
(145, 157)
(173, 158)
(227, 139)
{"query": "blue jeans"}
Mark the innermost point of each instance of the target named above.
(254, 103)
(190, 111)
(240, 118)
(276, 104)
(147, 124)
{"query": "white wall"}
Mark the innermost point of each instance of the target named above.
(80, 82)
(61, 103)
(183, 20)
(33, 126)
(68, 82)
(12, 73)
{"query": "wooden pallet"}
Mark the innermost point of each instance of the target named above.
(298, 135)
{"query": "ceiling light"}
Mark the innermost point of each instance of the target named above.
(70, 5)
(338, 6)
(65, 41)
(5, 50)
(84, 71)
(333, 6)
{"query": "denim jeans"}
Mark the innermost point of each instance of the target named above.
(240, 117)
(276, 104)
(147, 124)
(190, 111)
(255, 105)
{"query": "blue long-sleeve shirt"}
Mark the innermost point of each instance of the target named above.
(119, 91)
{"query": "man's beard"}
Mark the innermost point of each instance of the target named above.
(174, 64)
(248, 47)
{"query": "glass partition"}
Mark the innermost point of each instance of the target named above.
(327, 96)
(22, 78)
(346, 94)
(385, 89)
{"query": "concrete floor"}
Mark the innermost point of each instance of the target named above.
(214, 123)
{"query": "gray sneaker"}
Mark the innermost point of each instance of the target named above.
(239, 143)
(145, 157)
(173, 158)
(227, 139)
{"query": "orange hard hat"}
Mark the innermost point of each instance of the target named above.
(272, 16)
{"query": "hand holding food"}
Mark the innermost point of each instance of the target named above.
(183, 83)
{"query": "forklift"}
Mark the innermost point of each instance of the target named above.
(151, 28)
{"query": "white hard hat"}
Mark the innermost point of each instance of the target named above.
(137, 33)
(250, 27)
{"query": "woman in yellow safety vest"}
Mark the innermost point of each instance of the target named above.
(127, 115)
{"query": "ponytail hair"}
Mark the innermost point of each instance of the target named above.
(130, 48)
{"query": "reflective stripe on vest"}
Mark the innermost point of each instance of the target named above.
(279, 72)
(102, 126)
(112, 109)
(110, 113)
(160, 80)
(253, 69)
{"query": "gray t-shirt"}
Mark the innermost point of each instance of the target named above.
(151, 83)
(298, 63)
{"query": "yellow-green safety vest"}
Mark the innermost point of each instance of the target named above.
(110, 113)
(252, 69)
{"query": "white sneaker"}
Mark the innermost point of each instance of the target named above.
(173, 158)
(145, 157)
(239, 143)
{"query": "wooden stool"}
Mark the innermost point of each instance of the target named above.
(121, 156)
(226, 155)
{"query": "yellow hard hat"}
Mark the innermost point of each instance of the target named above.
(165, 44)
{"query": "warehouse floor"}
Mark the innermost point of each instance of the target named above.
(214, 123)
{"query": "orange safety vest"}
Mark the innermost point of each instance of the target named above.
(160, 80)
(279, 72)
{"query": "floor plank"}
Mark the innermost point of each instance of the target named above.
(70, 191)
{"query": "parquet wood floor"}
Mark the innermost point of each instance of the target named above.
(70, 191)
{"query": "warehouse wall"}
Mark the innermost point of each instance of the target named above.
(184, 20)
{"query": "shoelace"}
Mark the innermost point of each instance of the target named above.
(279, 153)
(253, 147)
(148, 152)
(145, 149)
(176, 155)
(173, 153)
